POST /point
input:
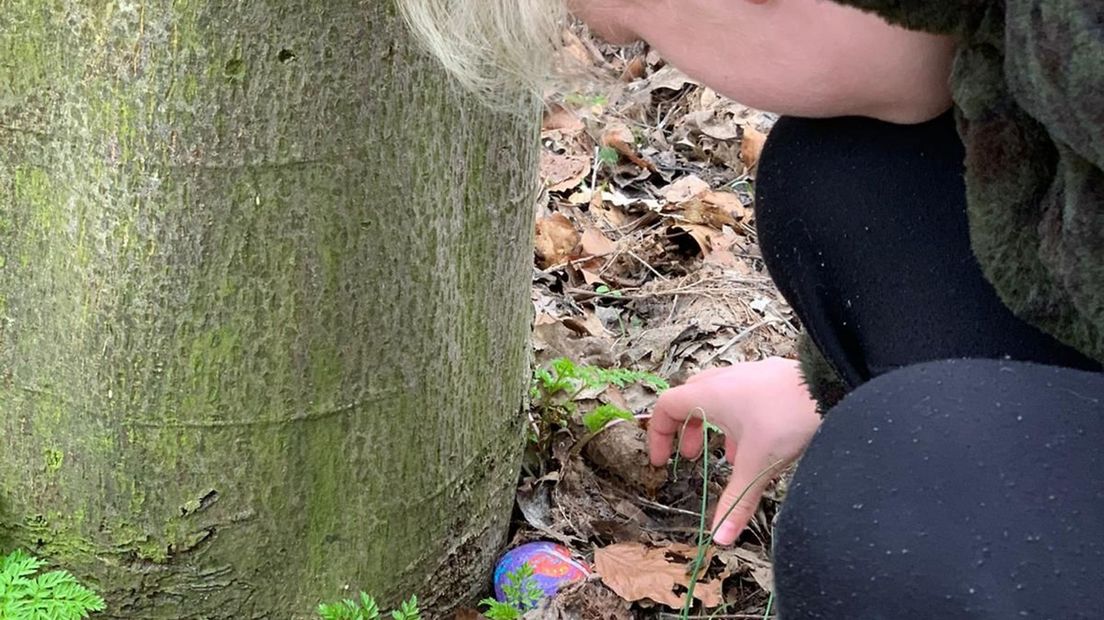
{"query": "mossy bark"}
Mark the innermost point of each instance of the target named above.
(263, 305)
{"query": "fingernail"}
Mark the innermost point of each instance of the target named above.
(726, 534)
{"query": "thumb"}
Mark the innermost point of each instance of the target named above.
(740, 499)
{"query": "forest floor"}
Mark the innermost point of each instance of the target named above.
(646, 259)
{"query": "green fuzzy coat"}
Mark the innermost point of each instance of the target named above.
(1028, 86)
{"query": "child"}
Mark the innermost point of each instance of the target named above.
(940, 233)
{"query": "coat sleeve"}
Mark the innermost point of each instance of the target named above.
(936, 16)
(1055, 68)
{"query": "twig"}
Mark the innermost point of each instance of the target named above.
(735, 339)
(665, 508)
(573, 262)
(645, 263)
(594, 170)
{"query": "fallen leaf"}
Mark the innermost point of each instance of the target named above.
(697, 211)
(712, 125)
(720, 252)
(587, 325)
(557, 117)
(620, 138)
(617, 132)
(563, 172)
(555, 238)
(590, 277)
(755, 561)
(613, 215)
(580, 197)
(684, 189)
(751, 145)
(634, 69)
(574, 49)
(595, 243)
(636, 572)
(583, 600)
(669, 78)
(728, 202)
(702, 236)
(467, 613)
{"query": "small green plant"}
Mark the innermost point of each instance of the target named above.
(608, 156)
(408, 610)
(54, 595)
(602, 289)
(348, 609)
(580, 99)
(604, 414)
(705, 536)
(367, 609)
(554, 389)
(522, 594)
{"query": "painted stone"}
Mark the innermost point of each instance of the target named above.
(552, 564)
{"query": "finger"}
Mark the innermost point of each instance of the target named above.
(670, 411)
(690, 447)
(739, 502)
(730, 449)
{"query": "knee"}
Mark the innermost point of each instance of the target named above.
(934, 451)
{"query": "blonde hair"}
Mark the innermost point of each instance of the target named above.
(496, 48)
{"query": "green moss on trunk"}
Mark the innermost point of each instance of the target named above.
(263, 305)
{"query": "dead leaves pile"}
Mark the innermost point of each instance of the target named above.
(646, 258)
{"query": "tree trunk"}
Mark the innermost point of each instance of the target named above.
(263, 306)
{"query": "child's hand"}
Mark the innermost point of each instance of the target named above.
(768, 418)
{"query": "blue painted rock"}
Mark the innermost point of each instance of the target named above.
(552, 564)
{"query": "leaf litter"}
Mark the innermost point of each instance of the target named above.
(646, 258)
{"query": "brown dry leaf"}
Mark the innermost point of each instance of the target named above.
(751, 145)
(715, 126)
(697, 211)
(556, 237)
(620, 138)
(669, 78)
(575, 50)
(543, 318)
(587, 325)
(757, 562)
(583, 600)
(720, 252)
(615, 216)
(595, 243)
(617, 132)
(563, 172)
(636, 572)
(591, 277)
(557, 117)
(684, 189)
(728, 202)
(634, 69)
(702, 235)
(466, 613)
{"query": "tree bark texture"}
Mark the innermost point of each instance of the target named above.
(263, 305)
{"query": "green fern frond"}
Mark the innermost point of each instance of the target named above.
(408, 610)
(603, 415)
(18, 564)
(523, 594)
(55, 595)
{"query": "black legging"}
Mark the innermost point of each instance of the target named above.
(961, 477)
